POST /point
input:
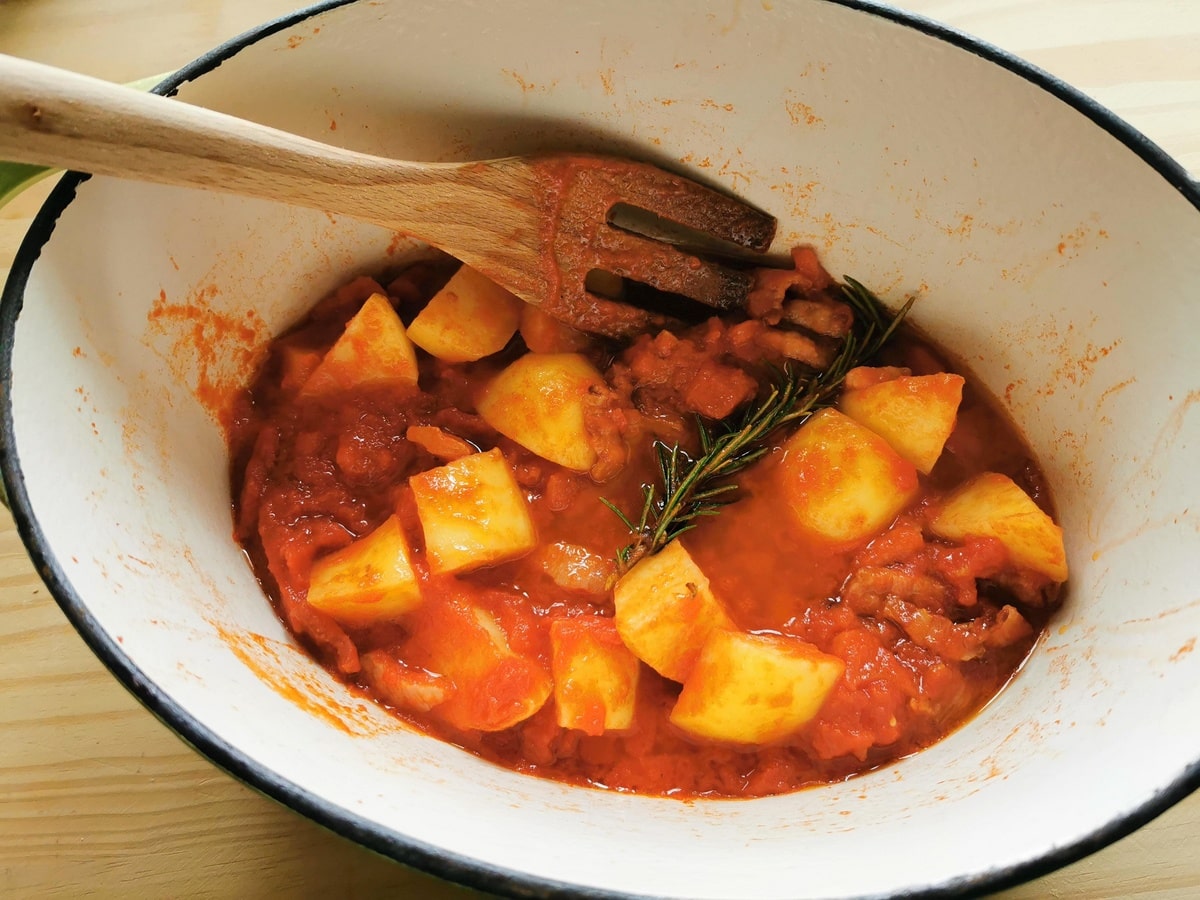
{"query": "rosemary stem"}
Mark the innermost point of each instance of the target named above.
(691, 488)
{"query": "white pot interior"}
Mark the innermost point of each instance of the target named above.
(1046, 253)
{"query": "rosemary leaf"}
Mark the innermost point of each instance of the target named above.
(625, 520)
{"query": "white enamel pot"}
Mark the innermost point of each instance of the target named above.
(1054, 249)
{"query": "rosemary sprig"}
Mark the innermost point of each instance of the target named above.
(693, 488)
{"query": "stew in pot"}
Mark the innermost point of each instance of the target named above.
(732, 558)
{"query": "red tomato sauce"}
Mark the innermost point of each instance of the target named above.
(313, 474)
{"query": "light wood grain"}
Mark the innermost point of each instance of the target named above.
(98, 798)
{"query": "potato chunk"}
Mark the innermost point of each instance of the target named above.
(494, 687)
(913, 413)
(992, 505)
(665, 611)
(470, 318)
(539, 401)
(754, 688)
(369, 581)
(374, 350)
(473, 513)
(841, 480)
(595, 675)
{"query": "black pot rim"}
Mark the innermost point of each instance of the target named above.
(400, 847)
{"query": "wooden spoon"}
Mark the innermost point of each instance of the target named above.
(538, 226)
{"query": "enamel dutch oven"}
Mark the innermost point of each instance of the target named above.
(1051, 247)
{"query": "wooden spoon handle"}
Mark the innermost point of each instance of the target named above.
(487, 214)
(50, 116)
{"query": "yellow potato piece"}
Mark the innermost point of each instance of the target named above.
(374, 350)
(473, 513)
(841, 480)
(665, 611)
(370, 581)
(539, 401)
(595, 676)
(915, 414)
(468, 319)
(992, 505)
(754, 688)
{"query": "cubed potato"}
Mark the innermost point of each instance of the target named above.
(913, 413)
(468, 319)
(539, 401)
(370, 581)
(595, 675)
(754, 688)
(841, 480)
(665, 611)
(473, 513)
(494, 687)
(992, 505)
(374, 350)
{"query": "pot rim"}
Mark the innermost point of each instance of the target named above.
(395, 845)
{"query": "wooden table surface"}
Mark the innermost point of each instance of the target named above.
(97, 797)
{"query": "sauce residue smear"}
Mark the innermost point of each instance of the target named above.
(1188, 646)
(800, 113)
(211, 351)
(265, 657)
(1146, 479)
(528, 86)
